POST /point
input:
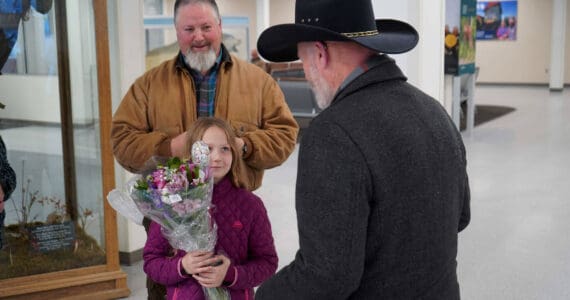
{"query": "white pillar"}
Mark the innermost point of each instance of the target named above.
(262, 17)
(558, 44)
(400, 10)
(431, 54)
(126, 33)
(424, 64)
(130, 27)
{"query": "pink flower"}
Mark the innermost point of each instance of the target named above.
(177, 183)
(159, 178)
(186, 207)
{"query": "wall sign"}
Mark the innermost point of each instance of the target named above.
(460, 28)
(497, 20)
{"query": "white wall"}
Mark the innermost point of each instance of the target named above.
(281, 11)
(240, 8)
(526, 60)
(557, 45)
(567, 58)
(404, 10)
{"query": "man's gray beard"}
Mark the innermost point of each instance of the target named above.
(324, 93)
(201, 61)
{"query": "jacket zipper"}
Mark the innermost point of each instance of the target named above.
(175, 295)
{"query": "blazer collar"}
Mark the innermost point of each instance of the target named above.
(377, 69)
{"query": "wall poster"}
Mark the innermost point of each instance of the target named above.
(460, 28)
(497, 20)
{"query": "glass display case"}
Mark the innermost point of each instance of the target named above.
(60, 237)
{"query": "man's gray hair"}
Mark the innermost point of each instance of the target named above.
(211, 3)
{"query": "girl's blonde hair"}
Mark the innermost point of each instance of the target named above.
(196, 132)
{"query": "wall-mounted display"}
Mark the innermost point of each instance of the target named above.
(460, 27)
(497, 20)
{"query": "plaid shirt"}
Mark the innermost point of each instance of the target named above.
(206, 85)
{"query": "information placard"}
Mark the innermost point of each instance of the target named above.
(45, 238)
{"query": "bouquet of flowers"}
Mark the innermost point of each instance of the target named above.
(177, 195)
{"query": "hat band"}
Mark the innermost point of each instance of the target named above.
(360, 34)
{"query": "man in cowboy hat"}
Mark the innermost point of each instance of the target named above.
(382, 188)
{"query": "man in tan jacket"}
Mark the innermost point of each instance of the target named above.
(203, 80)
(162, 104)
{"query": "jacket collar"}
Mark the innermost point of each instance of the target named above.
(223, 187)
(377, 69)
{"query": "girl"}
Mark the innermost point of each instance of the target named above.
(245, 249)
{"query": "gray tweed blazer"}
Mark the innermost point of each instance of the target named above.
(381, 194)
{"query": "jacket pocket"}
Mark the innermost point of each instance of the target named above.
(241, 128)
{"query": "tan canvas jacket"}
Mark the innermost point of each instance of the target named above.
(161, 104)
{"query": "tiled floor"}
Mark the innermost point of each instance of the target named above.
(518, 245)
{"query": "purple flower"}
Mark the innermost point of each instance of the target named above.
(159, 179)
(177, 183)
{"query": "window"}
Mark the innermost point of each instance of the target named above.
(32, 43)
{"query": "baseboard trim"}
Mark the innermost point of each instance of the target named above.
(512, 83)
(130, 258)
(545, 84)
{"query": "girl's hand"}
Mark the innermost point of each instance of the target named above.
(214, 276)
(196, 261)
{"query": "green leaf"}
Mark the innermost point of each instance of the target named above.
(174, 162)
(141, 185)
(196, 171)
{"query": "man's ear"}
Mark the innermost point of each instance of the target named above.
(322, 53)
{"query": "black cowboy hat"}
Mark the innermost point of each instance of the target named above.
(335, 20)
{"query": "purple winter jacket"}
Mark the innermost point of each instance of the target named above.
(244, 235)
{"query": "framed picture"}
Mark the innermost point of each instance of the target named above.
(236, 36)
(497, 20)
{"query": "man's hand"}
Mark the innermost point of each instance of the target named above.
(214, 276)
(239, 143)
(178, 145)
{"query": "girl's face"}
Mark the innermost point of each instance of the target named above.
(220, 152)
